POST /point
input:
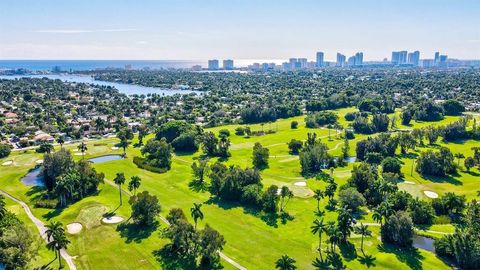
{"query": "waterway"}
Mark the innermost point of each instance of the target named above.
(128, 89)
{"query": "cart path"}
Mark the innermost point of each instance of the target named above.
(41, 228)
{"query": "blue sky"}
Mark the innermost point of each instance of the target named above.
(238, 29)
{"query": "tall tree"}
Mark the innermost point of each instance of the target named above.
(61, 141)
(120, 180)
(285, 263)
(363, 231)
(196, 213)
(200, 169)
(319, 227)
(82, 147)
(285, 195)
(56, 239)
(318, 195)
(124, 143)
(134, 184)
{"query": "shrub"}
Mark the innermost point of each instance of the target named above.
(350, 116)
(185, 142)
(140, 162)
(294, 125)
(295, 146)
(224, 132)
(398, 230)
(421, 212)
(351, 198)
(240, 131)
(392, 165)
(5, 150)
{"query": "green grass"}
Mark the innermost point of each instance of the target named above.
(252, 240)
(44, 256)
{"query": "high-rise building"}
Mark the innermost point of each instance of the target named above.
(414, 58)
(359, 59)
(302, 63)
(293, 63)
(351, 61)
(340, 60)
(213, 64)
(442, 60)
(395, 58)
(399, 58)
(228, 64)
(320, 60)
(437, 58)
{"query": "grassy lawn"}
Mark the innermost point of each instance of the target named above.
(253, 240)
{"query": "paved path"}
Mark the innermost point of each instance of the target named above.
(164, 220)
(41, 228)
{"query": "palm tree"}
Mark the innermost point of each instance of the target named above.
(285, 263)
(335, 238)
(124, 144)
(196, 213)
(387, 188)
(318, 195)
(363, 231)
(55, 233)
(134, 184)
(3, 210)
(386, 209)
(119, 180)
(320, 264)
(377, 216)
(82, 147)
(55, 227)
(285, 193)
(319, 227)
(58, 242)
(61, 141)
(459, 157)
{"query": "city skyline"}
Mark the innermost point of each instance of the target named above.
(192, 30)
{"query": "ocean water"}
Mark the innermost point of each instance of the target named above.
(81, 65)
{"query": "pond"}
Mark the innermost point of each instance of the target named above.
(128, 89)
(351, 159)
(424, 243)
(105, 158)
(33, 178)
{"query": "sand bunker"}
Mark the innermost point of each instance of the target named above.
(7, 163)
(300, 184)
(430, 194)
(80, 154)
(112, 220)
(409, 182)
(74, 228)
(114, 148)
(40, 161)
